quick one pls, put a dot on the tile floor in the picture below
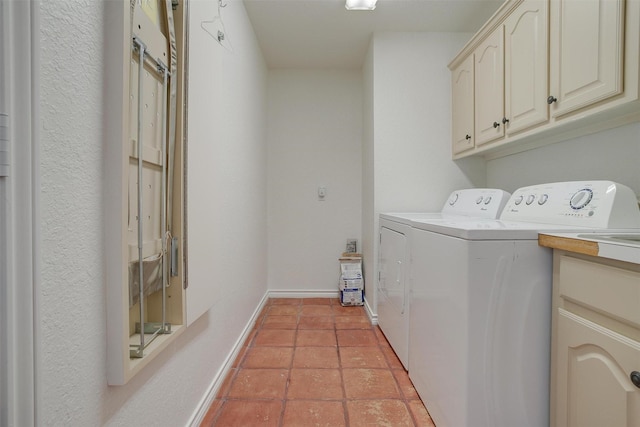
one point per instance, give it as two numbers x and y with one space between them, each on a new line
312 362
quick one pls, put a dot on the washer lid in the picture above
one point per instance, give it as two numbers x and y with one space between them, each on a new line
486 229
468 202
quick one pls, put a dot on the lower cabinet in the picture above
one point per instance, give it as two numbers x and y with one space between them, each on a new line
595 368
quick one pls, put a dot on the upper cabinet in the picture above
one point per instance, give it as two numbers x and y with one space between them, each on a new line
545 71
489 93
586 53
526 65
462 89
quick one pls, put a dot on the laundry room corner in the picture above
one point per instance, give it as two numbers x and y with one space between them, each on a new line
407 165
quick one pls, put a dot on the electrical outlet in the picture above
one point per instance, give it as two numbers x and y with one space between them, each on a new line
322 193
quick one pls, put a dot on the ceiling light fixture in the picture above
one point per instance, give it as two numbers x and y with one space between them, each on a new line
360 4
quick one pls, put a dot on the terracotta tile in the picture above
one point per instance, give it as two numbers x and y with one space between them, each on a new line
316 338
211 414
339 310
316 322
315 384
362 357
250 413
420 414
226 383
394 362
240 356
275 338
370 384
381 338
352 322
356 338
280 322
316 301
406 386
250 336
268 357
302 413
259 383
284 310
316 310
316 357
286 301
367 413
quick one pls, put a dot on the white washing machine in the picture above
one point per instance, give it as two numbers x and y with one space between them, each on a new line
394 257
480 320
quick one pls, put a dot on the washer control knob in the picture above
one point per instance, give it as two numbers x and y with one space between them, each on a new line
543 199
581 199
530 199
518 199
487 200
479 200
453 199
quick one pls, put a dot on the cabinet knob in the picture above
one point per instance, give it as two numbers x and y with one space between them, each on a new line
495 124
551 99
467 137
505 120
635 378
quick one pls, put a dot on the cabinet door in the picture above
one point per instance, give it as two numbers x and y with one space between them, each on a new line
489 88
593 375
587 38
526 53
462 106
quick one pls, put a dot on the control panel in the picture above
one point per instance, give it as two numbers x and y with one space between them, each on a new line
598 204
476 202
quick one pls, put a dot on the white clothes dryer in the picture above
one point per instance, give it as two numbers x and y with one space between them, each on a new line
480 320
394 257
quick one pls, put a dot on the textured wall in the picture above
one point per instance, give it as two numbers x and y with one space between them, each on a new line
315 139
73 302
611 155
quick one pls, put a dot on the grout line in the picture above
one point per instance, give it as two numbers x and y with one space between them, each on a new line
260 326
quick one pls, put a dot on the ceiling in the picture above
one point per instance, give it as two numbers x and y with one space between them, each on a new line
323 34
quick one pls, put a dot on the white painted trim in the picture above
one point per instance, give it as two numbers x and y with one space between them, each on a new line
218 379
20 251
373 317
290 293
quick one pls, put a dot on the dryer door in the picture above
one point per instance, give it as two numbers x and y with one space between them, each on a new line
392 266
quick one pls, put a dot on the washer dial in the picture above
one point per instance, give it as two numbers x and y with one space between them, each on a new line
581 199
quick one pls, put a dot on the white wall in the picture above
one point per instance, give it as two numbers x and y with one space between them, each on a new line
612 155
230 198
412 165
369 220
315 139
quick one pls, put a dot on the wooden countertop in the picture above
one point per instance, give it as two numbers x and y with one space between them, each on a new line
586 247
595 245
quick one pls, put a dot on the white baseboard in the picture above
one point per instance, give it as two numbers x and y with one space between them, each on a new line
218 379
373 317
289 293
216 383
